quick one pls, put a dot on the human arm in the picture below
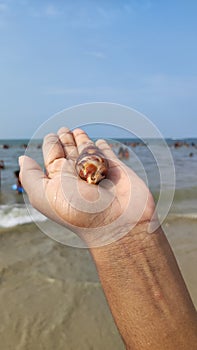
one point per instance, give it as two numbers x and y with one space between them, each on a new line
146 292
139 274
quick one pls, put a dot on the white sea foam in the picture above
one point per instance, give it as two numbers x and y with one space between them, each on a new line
184 216
18 214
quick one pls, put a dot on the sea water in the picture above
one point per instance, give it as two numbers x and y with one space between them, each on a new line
13 210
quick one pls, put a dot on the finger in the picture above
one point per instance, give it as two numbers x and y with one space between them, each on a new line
52 149
68 143
33 180
107 151
35 183
81 139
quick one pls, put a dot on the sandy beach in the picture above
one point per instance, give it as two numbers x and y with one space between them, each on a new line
50 295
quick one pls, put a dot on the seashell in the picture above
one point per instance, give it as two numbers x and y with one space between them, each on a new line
91 165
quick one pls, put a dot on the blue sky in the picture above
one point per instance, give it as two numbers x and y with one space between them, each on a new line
56 54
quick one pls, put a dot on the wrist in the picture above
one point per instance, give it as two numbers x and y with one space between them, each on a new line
131 224
135 242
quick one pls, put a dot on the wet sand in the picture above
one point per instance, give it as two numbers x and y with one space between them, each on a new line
50 296
182 235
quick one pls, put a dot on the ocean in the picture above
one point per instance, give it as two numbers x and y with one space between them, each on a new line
13 210
50 295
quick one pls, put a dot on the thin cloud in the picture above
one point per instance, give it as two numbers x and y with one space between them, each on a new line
65 91
159 86
112 12
96 54
3 7
51 11
133 6
91 16
173 86
3 15
90 91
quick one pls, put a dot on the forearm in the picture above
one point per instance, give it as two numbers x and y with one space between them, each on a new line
146 292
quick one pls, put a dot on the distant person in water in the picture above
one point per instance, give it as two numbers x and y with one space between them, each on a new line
18 186
2 165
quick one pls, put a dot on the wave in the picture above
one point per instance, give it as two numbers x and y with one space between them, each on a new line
183 216
18 214
183 207
181 194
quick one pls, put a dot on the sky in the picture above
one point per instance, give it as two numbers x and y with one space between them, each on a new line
58 54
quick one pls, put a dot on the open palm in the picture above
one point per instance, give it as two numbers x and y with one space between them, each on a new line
63 197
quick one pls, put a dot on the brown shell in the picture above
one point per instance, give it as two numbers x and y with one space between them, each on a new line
91 165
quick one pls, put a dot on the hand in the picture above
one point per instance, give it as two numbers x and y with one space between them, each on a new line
139 274
118 203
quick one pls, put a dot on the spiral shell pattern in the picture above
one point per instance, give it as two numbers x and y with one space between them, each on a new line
91 165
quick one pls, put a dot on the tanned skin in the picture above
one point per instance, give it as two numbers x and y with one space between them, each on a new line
139 274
